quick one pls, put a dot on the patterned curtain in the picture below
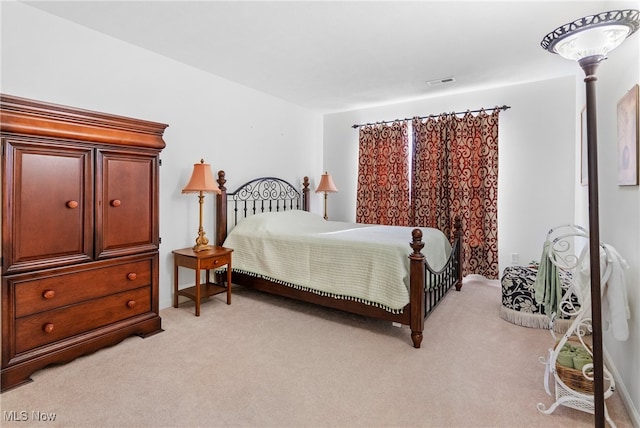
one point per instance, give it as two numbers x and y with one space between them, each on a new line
455 173
383 175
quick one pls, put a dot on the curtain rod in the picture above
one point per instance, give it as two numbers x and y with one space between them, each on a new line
504 107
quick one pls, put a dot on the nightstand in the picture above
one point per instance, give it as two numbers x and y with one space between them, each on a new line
213 258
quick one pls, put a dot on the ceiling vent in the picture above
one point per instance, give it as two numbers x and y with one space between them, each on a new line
442 81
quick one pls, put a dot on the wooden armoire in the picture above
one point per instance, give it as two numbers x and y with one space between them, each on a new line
80 233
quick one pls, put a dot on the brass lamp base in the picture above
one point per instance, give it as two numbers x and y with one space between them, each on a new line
202 242
200 247
325 206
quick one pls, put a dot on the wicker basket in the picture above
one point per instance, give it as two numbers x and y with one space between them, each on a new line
574 378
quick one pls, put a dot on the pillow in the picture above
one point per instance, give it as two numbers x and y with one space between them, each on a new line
282 222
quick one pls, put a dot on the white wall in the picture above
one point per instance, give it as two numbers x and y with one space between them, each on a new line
536 152
242 131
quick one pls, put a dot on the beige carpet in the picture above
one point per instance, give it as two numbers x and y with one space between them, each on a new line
271 362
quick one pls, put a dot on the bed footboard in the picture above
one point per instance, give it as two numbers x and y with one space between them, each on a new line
428 286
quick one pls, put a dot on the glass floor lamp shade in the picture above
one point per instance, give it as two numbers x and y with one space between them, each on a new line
326 185
592 37
588 40
201 182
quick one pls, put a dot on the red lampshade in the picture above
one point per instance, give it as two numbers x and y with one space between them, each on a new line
201 180
326 184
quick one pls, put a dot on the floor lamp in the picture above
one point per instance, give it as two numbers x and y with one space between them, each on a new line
587 41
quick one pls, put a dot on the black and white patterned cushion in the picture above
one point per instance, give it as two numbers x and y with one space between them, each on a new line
518 289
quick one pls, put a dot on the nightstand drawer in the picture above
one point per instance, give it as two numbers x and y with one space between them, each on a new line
214 263
52 290
47 327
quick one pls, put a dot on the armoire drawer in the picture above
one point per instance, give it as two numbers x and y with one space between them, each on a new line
50 291
47 327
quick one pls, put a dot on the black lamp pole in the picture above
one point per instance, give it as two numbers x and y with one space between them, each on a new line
589 66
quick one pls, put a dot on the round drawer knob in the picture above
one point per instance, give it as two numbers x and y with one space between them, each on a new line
116 203
131 304
49 294
72 204
48 327
132 276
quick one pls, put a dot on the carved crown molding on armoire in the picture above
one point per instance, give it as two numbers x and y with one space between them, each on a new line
80 233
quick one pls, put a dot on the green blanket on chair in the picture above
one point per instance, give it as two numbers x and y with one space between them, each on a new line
548 290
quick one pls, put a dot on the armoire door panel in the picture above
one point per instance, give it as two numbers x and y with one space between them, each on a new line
51 220
125 206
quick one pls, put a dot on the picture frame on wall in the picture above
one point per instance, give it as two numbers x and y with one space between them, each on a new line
628 121
584 171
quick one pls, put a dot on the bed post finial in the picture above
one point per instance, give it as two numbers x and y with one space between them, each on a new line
221 209
221 180
305 193
457 226
416 243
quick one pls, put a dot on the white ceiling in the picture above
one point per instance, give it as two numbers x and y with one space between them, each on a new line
341 55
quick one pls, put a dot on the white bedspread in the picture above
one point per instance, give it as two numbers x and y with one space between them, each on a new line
367 263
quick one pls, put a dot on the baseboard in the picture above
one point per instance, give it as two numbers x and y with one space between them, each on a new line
481 278
622 390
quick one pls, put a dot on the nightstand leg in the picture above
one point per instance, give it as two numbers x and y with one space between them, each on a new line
229 283
198 291
175 284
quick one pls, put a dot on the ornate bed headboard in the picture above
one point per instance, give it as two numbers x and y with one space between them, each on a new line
264 194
